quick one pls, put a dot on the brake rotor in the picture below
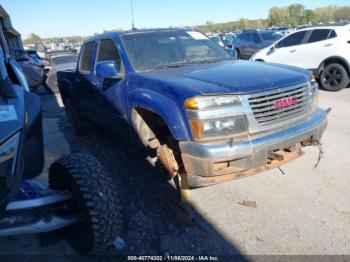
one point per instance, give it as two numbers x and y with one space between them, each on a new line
167 158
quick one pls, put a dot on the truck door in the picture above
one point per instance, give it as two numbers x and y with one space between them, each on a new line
85 88
110 97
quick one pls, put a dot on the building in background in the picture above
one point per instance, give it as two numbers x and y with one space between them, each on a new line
12 36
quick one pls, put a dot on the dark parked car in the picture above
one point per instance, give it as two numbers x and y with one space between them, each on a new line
33 68
251 41
58 63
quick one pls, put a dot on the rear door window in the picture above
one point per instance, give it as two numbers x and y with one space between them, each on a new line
255 38
319 35
86 61
292 40
246 37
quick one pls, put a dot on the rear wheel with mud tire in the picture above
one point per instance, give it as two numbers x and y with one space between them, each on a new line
96 200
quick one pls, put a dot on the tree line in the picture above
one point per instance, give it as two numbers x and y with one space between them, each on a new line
288 16
34 39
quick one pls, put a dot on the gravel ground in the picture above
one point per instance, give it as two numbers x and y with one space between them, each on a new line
302 212
155 221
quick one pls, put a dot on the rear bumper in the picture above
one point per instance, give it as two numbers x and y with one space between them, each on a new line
228 157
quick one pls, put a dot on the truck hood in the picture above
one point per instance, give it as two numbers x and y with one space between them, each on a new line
238 77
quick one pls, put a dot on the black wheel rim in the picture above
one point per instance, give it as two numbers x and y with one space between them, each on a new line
332 77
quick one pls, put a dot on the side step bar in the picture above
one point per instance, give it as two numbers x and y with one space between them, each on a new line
38 202
42 224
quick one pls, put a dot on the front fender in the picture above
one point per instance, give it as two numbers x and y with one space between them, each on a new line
171 112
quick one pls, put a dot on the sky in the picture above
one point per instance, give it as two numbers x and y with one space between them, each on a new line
49 18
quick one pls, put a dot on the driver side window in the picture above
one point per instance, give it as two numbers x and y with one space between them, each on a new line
108 51
86 61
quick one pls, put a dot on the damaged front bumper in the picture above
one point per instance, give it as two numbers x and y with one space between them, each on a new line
215 162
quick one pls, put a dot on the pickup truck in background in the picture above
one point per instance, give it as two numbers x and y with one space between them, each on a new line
205 116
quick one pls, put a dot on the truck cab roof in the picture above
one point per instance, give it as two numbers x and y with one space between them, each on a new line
135 31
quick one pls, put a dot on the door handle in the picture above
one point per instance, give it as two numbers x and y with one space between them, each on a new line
95 84
293 51
78 80
328 45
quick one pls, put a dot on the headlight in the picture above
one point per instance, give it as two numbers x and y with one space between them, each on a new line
216 116
8 156
211 102
216 128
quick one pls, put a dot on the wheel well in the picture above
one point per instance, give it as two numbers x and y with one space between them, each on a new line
150 126
155 135
333 60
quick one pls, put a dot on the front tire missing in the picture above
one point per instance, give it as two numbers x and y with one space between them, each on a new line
96 199
167 158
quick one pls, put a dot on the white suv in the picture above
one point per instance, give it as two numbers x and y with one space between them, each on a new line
324 49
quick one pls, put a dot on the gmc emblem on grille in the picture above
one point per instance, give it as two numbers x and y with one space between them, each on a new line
285 102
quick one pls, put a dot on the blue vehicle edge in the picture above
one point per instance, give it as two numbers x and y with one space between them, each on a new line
150 102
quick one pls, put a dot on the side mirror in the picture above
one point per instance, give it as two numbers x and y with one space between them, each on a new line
108 69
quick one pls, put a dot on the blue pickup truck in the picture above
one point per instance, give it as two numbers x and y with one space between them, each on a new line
205 116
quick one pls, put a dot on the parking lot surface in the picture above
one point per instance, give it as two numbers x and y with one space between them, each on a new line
303 211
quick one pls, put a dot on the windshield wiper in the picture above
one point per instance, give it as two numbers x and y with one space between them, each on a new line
212 61
176 65
170 66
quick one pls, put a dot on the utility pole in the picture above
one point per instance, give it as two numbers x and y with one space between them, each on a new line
132 15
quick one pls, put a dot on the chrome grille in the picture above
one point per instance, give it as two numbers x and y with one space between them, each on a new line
265 111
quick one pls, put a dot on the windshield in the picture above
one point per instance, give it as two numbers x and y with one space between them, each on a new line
216 39
227 39
152 50
271 36
64 60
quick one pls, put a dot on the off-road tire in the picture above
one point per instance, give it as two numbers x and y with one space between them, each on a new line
51 84
96 198
79 125
334 77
